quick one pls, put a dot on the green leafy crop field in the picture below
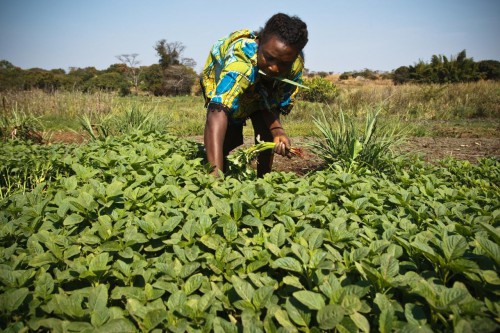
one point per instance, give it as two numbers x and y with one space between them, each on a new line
131 234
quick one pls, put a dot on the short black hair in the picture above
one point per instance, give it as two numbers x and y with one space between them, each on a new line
289 29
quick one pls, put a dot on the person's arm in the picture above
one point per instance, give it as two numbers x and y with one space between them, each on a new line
215 131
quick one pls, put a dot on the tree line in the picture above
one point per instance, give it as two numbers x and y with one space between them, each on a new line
172 75
175 75
442 70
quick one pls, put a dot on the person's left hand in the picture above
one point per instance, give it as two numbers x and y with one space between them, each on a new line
282 145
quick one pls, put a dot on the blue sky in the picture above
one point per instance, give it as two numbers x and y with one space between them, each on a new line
345 35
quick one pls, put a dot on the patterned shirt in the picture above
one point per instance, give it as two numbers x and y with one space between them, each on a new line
230 78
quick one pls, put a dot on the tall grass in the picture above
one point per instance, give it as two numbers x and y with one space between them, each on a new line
415 105
66 110
429 101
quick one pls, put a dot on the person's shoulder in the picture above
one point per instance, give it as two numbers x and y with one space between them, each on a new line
243 44
242 38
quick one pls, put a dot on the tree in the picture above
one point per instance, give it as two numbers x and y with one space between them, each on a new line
401 75
169 53
108 82
177 73
152 79
178 80
11 77
489 69
440 70
133 72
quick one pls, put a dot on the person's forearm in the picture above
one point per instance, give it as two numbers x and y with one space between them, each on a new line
215 130
273 123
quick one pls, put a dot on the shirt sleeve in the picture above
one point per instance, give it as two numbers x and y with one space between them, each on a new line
236 76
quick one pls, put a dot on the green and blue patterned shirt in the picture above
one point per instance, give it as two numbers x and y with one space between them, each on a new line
231 79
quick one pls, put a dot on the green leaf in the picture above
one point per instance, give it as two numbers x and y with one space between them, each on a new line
193 283
425 250
299 316
268 209
222 326
205 301
114 189
315 239
237 210
463 326
230 230
221 206
213 242
312 300
128 292
117 325
243 288
277 236
386 318
492 249
55 325
177 300
153 318
490 276
451 296
12 299
98 299
351 303
354 149
361 322
454 247
283 318
44 285
288 263
251 221
293 280
286 80
135 308
389 266
99 262
68 305
492 231
152 293
262 296
329 316
73 219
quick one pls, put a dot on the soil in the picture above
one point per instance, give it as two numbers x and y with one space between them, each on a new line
431 149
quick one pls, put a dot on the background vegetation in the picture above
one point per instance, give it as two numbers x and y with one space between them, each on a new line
173 75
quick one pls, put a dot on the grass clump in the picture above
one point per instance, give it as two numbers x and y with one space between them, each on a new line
343 145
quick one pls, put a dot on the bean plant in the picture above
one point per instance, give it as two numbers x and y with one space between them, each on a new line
133 234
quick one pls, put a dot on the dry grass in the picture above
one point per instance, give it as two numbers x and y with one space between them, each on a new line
423 107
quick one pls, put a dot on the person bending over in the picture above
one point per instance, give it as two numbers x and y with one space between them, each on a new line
242 79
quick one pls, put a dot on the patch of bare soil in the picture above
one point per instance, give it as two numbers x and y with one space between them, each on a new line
66 137
429 148
470 149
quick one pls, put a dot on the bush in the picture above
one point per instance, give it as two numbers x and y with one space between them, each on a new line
344 76
320 90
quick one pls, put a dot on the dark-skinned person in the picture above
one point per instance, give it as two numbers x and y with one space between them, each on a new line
243 80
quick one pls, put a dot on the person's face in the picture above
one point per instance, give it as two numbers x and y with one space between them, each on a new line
274 57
